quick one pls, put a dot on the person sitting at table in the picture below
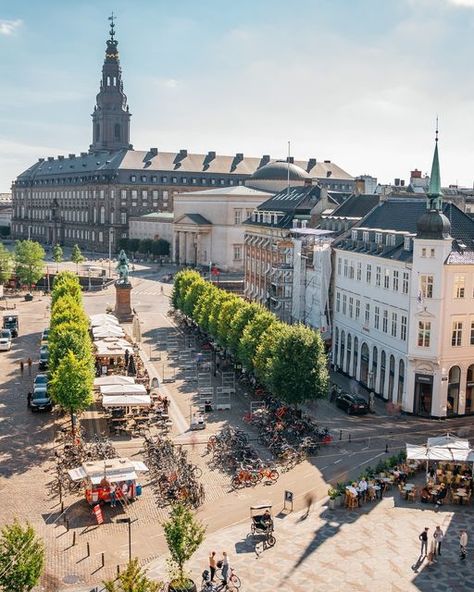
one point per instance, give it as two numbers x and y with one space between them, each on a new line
383 486
363 486
425 495
441 495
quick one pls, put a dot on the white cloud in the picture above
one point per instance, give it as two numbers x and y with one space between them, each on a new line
463 3
9 27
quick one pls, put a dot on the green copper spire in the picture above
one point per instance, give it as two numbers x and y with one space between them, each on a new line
435 197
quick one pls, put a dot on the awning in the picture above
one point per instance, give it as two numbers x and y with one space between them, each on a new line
98 320
126 401
107 331
114 379
123 389
114 477
114 470
438 453
449 441
112 347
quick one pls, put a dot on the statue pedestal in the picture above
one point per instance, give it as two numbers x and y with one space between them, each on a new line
123 309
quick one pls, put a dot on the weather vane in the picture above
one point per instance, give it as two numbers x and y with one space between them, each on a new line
112 18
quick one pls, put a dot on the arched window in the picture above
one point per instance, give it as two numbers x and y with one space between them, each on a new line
375 361
401 381
364 364
108 80
383 362
112 217
102 215
356 357
391 378
349 353
95 215
117 133
469 388
454 380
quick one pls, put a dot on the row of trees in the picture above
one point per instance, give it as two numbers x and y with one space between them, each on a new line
27 262
146 246
71 361
289 360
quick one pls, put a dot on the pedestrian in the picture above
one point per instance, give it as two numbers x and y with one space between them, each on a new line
29 362
127 354
22 367
463 544
424 541
212 564
28 398
161 290
309 499
225 568
113 497
438 536
371 401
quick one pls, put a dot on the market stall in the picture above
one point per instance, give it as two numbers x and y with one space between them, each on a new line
113 380
123 389
99 320
111 480
107 331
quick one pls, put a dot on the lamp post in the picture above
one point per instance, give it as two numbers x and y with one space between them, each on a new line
111 238
128 521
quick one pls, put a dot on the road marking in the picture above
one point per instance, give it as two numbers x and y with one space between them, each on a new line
337 461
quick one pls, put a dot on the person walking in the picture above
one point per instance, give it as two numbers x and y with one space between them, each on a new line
463 544
423 537
212 564
438 536
22 367
225 568
29 362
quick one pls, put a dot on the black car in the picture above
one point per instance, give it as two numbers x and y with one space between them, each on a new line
352 403
40 401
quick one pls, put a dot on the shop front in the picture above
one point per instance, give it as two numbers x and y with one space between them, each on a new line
423 394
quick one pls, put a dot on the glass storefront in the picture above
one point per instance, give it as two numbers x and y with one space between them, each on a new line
423 394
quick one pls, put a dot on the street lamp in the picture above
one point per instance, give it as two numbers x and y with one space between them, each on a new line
128 521
111 238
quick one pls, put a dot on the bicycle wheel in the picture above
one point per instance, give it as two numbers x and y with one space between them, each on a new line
274 475
197 472
237 483
235 580
271 540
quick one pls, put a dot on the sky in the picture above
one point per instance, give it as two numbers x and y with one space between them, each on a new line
358 82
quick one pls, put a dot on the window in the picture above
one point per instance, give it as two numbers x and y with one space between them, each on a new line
344 304
357 309
378 275
405 282
134 194
423 252
339 265
472 332
365 236
351 306
123 217
174 179
378 238
377 317
459 288
395 281
403 329
354 235
164 179
237 217
237 252
133 179
144 195
123 196
346 267
386 279
368 274
101 237
351 270
432 253
424 333
359 271
426 286
367 314
165 195
385 321
338 302
394 324
456 334
184 180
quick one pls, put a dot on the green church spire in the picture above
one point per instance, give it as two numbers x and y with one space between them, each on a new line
435 198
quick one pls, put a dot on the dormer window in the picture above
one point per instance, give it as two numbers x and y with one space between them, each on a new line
133 178
391 240
407 243
365 236
378 238
354 235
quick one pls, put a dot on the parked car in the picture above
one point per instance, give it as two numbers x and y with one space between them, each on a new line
5 339
44 336
12 323
43 357
41 380
40 401
352 404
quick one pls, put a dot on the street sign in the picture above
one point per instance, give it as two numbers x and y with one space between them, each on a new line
288 500
99 516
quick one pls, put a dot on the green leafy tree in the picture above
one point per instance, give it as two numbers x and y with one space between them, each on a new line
133 579
71 384
266 349
6 265
204 306
145 246
57 255
297 365
251 336
213 325
67 310
182 282
66 284
29 257
77 256
184 534
133 245
230 307
192 296
123 244
69 337
160 248
242 318
21 558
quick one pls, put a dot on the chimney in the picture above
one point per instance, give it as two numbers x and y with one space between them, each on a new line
290 159
239 156
183 153
397 182
40 159
211 155
402 183
72 156
265 160
83 154
50 158
311 164
153 151
60 157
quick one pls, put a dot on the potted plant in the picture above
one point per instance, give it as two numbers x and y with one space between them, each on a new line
333 495
183 534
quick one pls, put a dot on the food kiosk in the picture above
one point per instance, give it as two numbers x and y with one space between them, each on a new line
110 480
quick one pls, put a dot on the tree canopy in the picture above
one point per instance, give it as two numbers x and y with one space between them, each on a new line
71 383
29 258
21 558
132 579
57 254
6 264
76 255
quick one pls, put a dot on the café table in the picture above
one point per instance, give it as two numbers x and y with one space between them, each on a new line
461 495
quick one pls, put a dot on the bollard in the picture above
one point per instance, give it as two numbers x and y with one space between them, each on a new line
340 434
67 525
62 507
118 570
386 448
350 438
88 550
103 559
74 539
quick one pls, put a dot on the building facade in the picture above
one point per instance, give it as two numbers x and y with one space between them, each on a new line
154 226
87 198
403 303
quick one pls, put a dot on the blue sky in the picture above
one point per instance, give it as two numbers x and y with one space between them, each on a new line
359 82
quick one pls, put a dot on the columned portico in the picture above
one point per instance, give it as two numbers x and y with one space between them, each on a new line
191 236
